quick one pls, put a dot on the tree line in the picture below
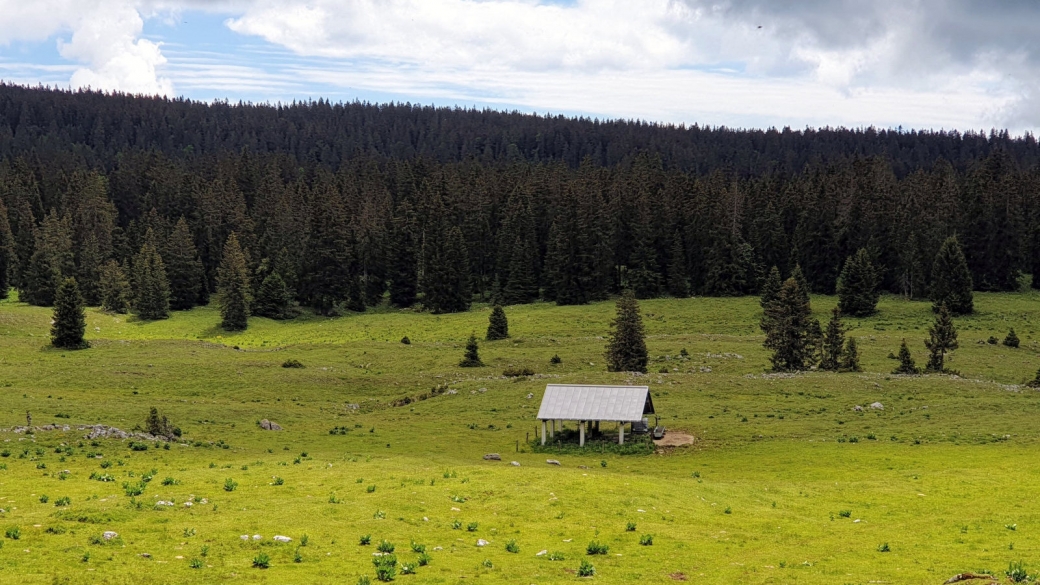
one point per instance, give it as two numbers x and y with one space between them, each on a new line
145 224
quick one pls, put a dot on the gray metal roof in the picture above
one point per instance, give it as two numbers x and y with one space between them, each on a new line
606 403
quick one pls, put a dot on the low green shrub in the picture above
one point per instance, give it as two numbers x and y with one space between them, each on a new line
595 548
262 561
585 569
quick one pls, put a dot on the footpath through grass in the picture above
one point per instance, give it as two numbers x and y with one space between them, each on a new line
786 483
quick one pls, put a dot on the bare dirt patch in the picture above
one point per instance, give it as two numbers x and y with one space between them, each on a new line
675 439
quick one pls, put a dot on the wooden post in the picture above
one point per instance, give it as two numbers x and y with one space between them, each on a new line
543 432
581 434
552 431
621 433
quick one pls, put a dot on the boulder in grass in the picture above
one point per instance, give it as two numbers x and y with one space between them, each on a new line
281 538
552 462
269 425
109 535
877 406
481 542
515 463
492 457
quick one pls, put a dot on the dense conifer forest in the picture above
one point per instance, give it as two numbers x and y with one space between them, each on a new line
339 207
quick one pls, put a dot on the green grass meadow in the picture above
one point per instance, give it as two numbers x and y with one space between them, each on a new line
786 483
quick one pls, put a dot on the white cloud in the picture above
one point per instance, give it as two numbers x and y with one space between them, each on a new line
105 39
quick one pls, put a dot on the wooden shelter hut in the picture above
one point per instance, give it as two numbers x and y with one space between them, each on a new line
587 404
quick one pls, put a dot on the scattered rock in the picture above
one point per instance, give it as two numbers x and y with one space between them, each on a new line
541 553
877 406
109 535
857 408
257 537
515 463
146 556
438 548
552 462
163 503
281 538
481 542
270 426
530 395
244 537
492 457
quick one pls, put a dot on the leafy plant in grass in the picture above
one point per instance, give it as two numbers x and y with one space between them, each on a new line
14 533
556 556
630 527
585 569
386 567
456 524
230 485
63 502
424 559
262 561
646 540
44 499
471 527
292 363
1017 573
512 547
407 569
418 548
595 548
297 557
370 489
385 547
169 481
515 372
884 548
488 564
277 481
555 360
195 563
845 513
364 580
365 540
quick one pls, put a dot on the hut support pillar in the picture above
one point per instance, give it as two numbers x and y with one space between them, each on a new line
581 434
543 432
621 434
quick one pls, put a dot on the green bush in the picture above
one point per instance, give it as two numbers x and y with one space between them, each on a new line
514 372
195 563
418 548
292 363
630 527
44 499
586 569
63 501
471 527
646 540
230 485
14 533
386 567
512 547
556 556
596 548
884 548
262 561
385 547
365 540
424 559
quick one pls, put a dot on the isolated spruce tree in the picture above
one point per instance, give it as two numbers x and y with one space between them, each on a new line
1035 382
678 283
626 348
942 340
858 286
850 357
951 280
1011 340
183 267
788 326
498 325
151 288
69 321
771 287
906 362
233 289
472 357
115 288
833 343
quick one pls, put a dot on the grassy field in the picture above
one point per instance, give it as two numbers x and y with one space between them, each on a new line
786 483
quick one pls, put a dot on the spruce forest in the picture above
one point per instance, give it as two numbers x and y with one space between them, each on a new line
339 207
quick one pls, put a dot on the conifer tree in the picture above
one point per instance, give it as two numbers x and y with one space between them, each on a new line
858 286
52 261
498 325
803 284
151 287
626 348
644 277
833 343
233 289
678 282
951 280
1011 340
522 286
446 285
183 267
115 288
788 326
907 366
274 299
850 357
1035 382
942 340
403 269
69 321
89 273
8 260
472 357
771 287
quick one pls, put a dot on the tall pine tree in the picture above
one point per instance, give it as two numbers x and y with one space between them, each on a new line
951 280
69 321
403 263
942 339
788 326
498 325
115 288
858 286
626 348
151 287
183 267
833 342
233 289
771 287
8 260
678 281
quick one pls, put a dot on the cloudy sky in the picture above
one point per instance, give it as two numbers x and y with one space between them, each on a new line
963 64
